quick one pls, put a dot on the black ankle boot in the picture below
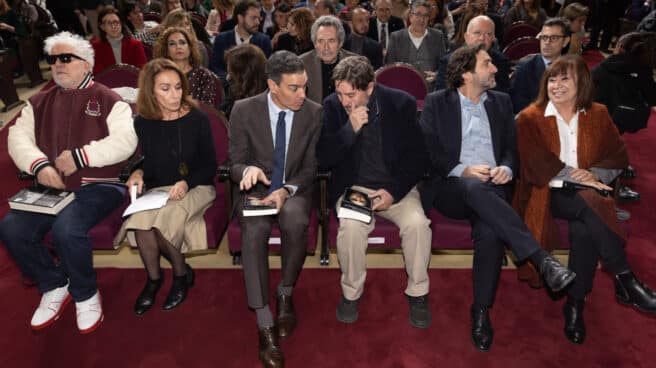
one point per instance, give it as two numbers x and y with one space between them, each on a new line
631 291
179 288
146 298
574 323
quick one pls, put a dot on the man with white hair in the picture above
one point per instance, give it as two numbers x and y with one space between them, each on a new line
66 135
480 30
328 36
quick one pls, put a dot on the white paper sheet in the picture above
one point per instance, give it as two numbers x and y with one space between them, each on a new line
149 201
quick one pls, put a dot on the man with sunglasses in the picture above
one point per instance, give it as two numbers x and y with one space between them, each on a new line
67 136
554 37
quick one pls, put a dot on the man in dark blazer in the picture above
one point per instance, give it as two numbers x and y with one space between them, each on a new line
528 72
470 136
384 22
359 43
328 37
247 14
272 143
371 141
480 29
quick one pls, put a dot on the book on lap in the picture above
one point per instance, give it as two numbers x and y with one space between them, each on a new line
41 199
573 186
253 206
356 205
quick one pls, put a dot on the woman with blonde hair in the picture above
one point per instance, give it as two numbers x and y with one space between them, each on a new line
175 139
177 44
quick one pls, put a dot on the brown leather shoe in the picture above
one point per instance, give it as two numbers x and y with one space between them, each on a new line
285 315
270 352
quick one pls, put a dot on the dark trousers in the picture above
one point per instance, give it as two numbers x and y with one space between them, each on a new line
293 220
605 18
590 239
494 223
23 233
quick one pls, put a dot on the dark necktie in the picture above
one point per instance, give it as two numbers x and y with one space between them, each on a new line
279 154
383 36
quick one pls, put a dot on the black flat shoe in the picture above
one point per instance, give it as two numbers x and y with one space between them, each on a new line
482 333
574 323
179 288
146 298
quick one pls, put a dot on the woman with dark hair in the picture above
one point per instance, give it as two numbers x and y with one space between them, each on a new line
144 31
441 18
297 39
566 140
528 11
115 45
280 21
175 139
246 77
577 15
169 6
178 45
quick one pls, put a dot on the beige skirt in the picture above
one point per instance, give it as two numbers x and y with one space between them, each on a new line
180 222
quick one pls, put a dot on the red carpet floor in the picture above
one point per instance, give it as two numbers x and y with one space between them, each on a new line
215 329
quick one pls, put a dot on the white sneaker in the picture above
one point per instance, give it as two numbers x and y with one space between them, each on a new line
89 314
51 307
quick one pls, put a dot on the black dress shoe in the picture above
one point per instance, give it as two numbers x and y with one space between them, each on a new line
628 173
482 333
555 275
270 352
420 314
285 315
179 288
627 194
574 324
631 291
146 298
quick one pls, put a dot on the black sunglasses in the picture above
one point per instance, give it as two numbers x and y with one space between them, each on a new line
64 58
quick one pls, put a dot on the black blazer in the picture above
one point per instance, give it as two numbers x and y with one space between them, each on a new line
526 82
371 49
394 24
441 125
403 152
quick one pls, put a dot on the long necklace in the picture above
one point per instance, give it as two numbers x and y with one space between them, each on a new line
183 168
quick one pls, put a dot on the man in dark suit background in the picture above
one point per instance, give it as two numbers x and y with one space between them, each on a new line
554 37
480 30
359 43
371 141
247 14
272 144
384 23
470 136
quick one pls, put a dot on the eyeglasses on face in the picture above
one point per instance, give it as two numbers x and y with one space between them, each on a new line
550 38
174 43
64 58
112 23
420 15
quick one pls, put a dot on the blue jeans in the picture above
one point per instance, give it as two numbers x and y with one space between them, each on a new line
23 232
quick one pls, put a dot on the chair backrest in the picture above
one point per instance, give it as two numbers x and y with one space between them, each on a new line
153 17
201 19
219 125
404 77
119 75
521 47
518 30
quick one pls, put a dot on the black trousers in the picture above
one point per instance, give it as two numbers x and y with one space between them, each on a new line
293 220
590 239
494 223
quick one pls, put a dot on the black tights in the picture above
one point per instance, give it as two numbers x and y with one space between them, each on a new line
151 244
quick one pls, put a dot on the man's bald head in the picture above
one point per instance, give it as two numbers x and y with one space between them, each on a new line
480 29
360 21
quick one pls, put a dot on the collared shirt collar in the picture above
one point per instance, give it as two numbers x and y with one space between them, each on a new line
465 102
550 110
545 61
239 40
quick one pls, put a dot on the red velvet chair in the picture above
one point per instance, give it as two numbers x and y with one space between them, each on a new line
119 75
521 47
148 50
518 30
153 17
406 78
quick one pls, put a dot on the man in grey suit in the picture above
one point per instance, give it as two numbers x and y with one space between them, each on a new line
272 143
418 45
328 36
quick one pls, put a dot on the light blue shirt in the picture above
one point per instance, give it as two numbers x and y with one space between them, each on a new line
476 147
274 111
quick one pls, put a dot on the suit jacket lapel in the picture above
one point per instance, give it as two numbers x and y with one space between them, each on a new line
264 124
455 131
